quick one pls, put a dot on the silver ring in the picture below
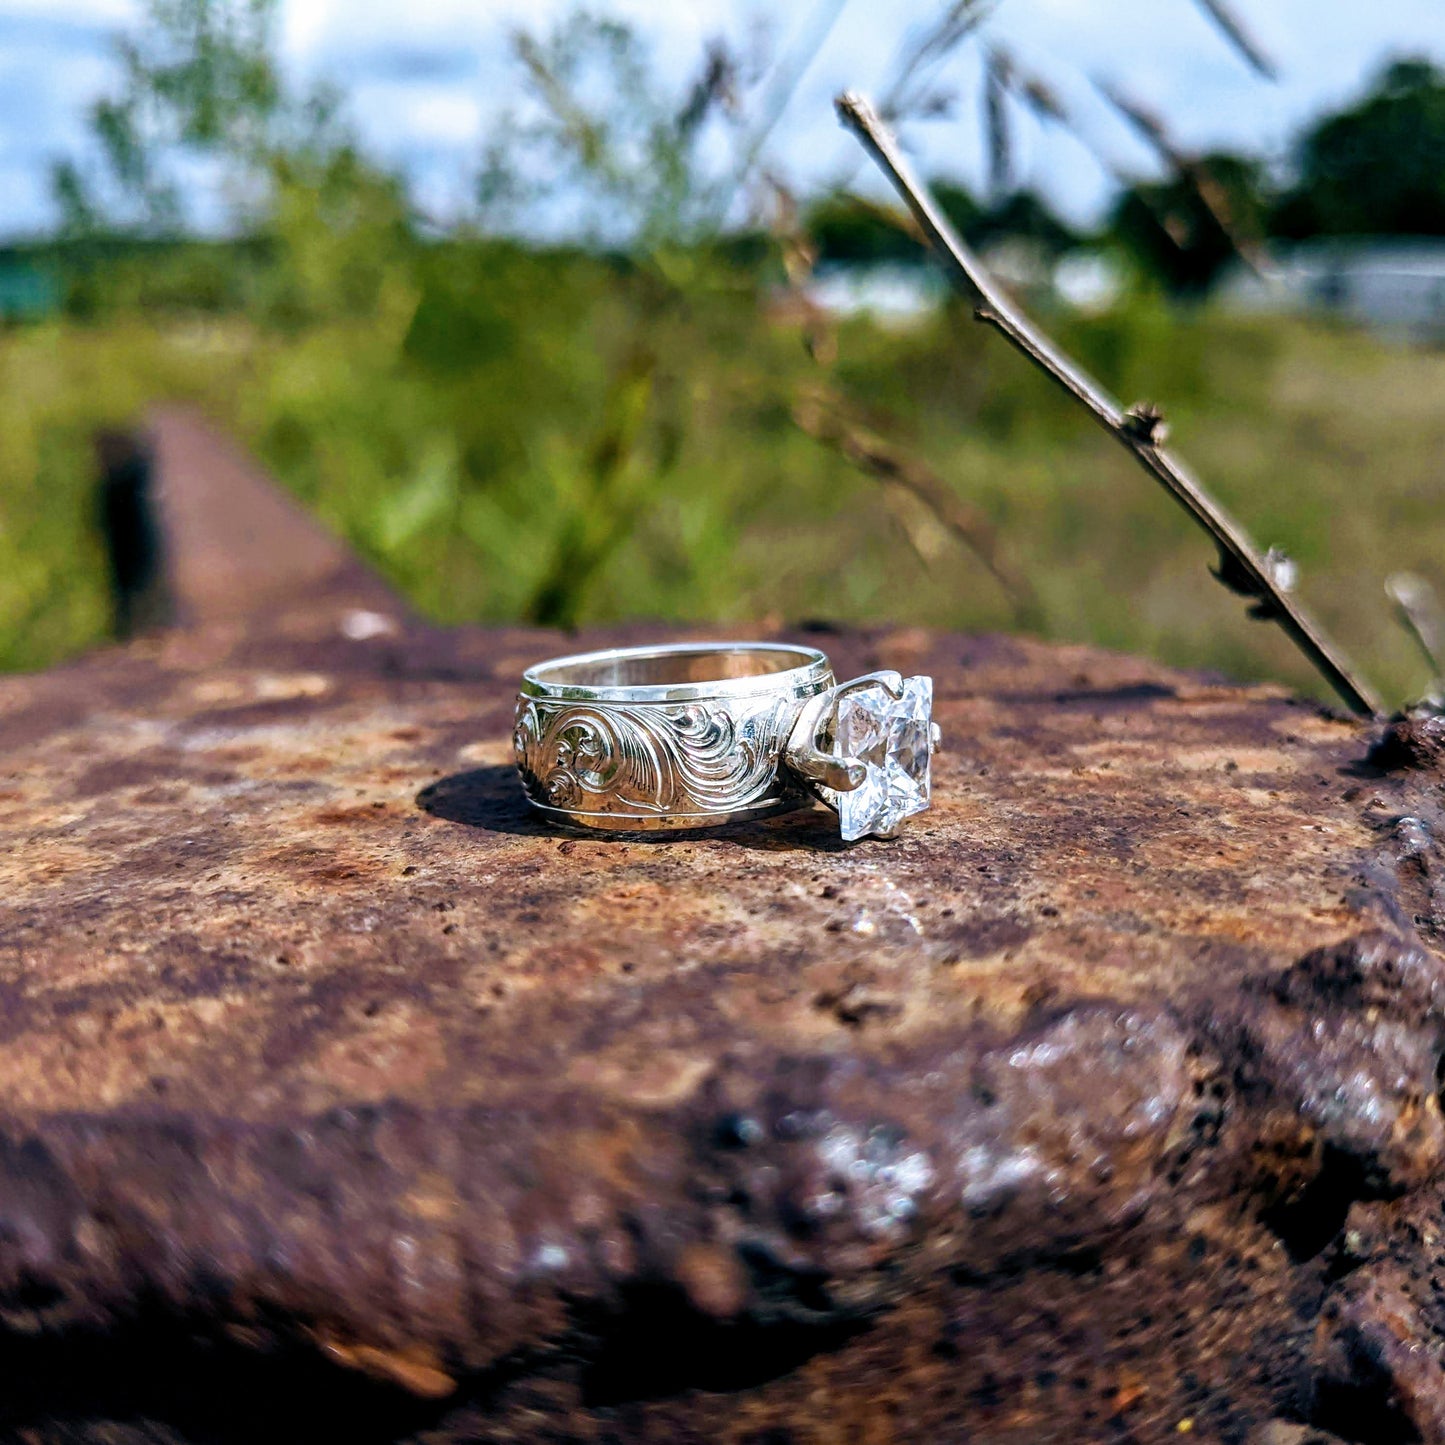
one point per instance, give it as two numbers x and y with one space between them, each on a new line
695 735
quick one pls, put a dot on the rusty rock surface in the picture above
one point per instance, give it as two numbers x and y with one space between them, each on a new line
1042 1122
339 1099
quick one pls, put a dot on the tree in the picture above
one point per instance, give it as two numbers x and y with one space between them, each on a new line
199 81
1184 231
201 88
610 146
1019 216
849 229
1376 169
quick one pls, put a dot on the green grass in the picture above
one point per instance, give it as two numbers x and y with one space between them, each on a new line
505 434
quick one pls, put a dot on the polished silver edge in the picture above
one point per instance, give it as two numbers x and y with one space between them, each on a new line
813 674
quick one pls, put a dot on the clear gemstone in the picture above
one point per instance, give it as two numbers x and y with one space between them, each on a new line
891 737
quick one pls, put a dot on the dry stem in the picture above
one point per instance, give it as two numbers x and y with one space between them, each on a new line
823 415
1195 174
1420 612
1139 429
1238 34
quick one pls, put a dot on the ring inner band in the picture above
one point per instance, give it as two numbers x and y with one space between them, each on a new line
675 672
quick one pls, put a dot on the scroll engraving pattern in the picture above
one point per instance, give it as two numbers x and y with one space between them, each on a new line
682 758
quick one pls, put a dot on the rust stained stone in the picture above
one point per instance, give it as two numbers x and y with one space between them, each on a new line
341 1099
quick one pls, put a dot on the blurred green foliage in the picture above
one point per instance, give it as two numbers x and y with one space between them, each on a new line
1185 231
1374 168
849 231
588 433
490 437
199 80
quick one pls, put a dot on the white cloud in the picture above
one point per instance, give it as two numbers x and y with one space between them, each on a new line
430 75
95 12
397 114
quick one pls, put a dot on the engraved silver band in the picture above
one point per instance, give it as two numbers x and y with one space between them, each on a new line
681 736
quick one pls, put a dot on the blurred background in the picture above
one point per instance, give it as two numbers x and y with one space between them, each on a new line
573 316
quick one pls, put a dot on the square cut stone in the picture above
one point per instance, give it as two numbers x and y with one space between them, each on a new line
891 737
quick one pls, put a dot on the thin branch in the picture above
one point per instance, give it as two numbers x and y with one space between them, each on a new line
1237 33
715 86
581 129
1037 94
783 83
1140 429
1194 173
997 79
1147 124
1045 101
1420 612
800 255
959 20
823 415
1049 106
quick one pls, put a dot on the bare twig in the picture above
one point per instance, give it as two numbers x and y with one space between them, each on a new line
996 82
824 416
800 255
1238 35
959 20
1045 101
1419 610
787 75
715 86
1039 96
1139 429
1048 105
1194 173
1147 124
581 129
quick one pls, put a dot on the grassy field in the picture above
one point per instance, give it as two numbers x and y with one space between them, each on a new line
576 442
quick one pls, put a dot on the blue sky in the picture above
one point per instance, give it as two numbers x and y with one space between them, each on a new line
427 78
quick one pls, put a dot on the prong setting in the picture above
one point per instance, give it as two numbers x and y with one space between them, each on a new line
890 681
868 759
808 760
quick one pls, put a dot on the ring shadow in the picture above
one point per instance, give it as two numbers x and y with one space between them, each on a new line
492 798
